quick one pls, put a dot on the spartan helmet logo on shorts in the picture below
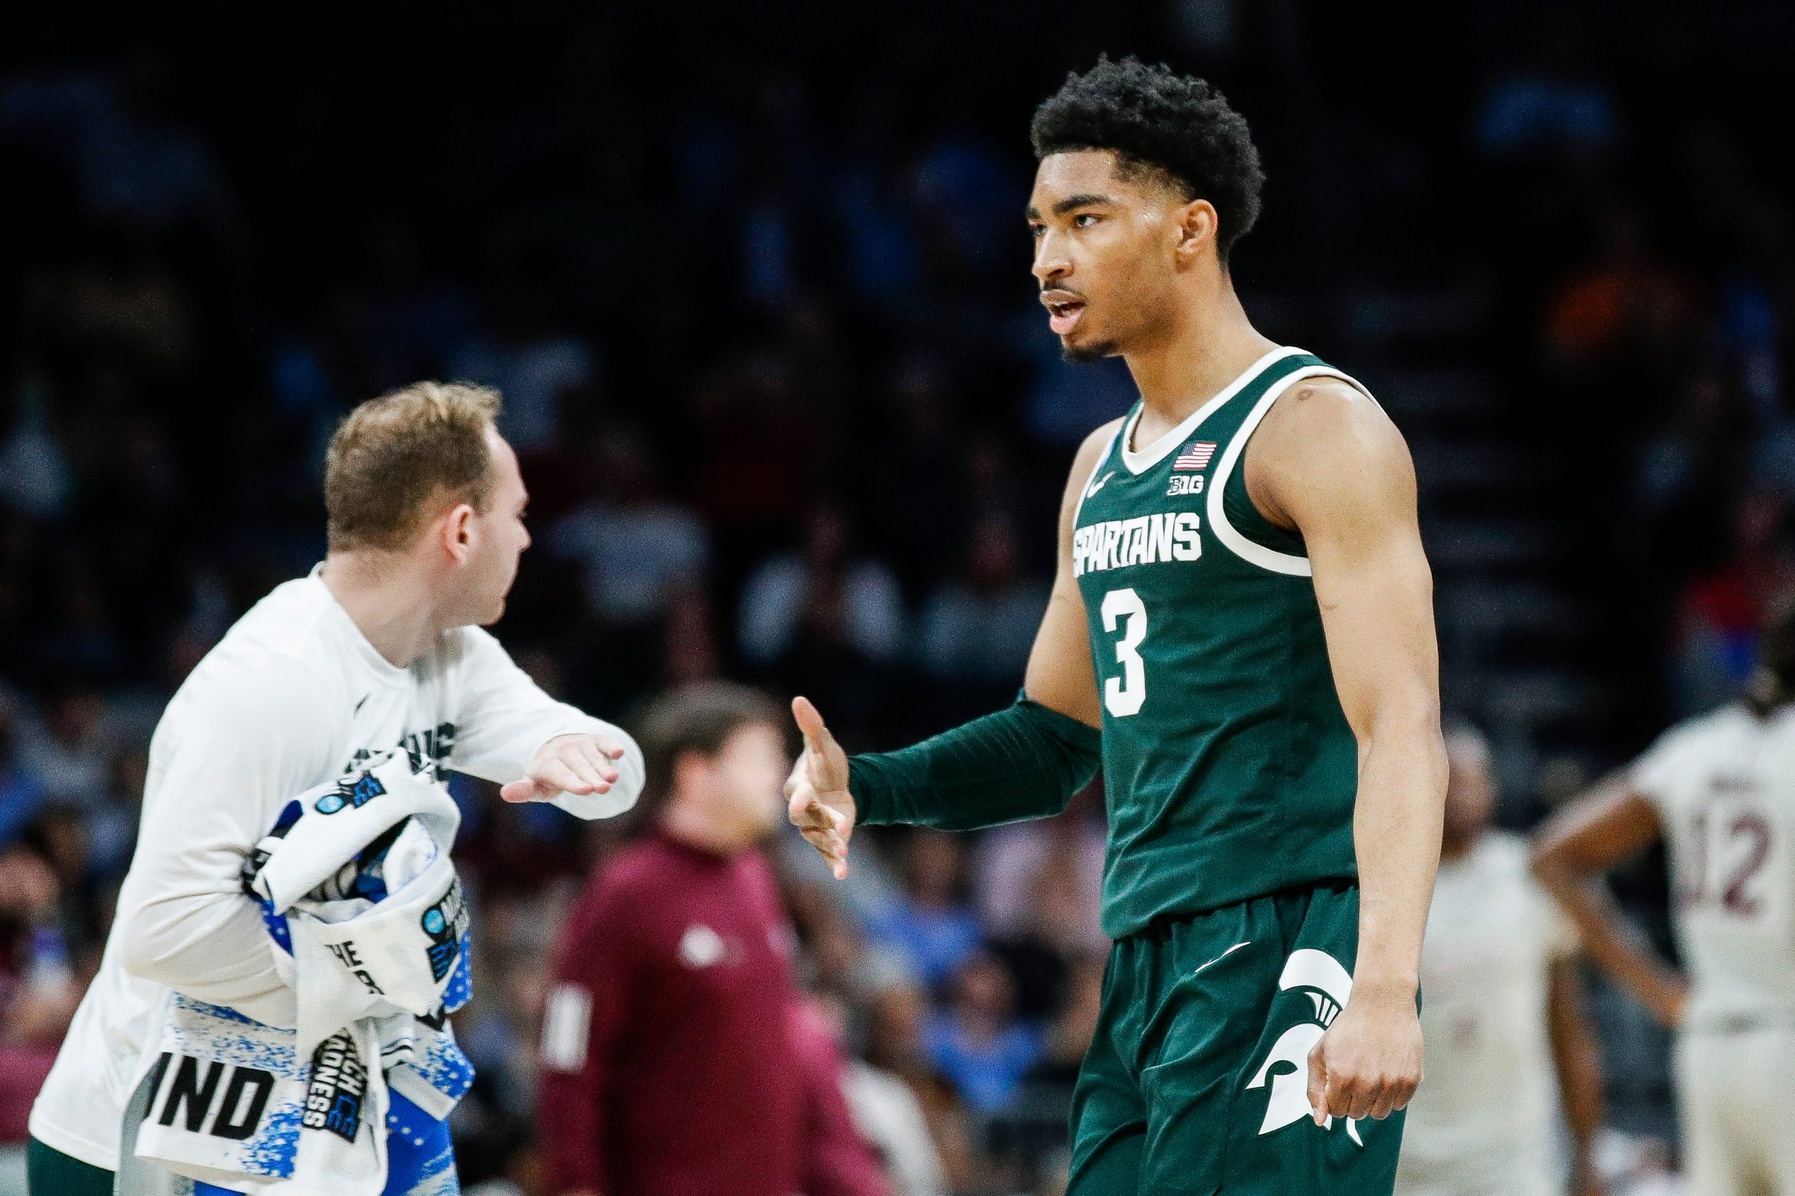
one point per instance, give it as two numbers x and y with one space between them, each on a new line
1328 985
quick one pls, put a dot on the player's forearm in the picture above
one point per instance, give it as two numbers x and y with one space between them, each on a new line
1611 941
208 946
1576 1055
1396 837
1025 761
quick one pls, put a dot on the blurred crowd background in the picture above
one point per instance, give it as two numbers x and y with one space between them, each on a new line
753 279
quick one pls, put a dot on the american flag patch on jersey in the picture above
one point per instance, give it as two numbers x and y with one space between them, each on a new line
1195 455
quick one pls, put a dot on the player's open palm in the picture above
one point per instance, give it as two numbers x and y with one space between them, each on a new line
579 764
820 805
1368 1064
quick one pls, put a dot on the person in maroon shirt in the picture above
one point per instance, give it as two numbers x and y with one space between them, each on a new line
674 1056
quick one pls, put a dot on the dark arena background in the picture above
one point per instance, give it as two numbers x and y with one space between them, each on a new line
753 280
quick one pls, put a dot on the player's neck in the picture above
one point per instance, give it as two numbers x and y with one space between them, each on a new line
1209 343
391 608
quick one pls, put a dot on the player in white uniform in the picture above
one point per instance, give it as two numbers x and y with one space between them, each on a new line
1508 1043
1719 790
379 648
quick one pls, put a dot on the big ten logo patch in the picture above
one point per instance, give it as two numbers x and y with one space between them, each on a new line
351 959
209 1096
445 923
338 1084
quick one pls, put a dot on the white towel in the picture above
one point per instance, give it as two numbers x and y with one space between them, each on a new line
234 1104
379 947
337 820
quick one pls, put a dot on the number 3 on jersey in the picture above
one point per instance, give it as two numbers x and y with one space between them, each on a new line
1123 695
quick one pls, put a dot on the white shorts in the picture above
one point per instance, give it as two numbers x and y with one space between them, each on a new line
1738 1137
1522 1172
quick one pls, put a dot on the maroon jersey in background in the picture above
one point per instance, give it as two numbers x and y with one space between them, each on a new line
670 1063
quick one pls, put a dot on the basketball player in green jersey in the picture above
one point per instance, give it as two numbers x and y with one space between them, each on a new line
1243 609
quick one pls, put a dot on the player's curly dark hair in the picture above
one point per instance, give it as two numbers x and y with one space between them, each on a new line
1157 120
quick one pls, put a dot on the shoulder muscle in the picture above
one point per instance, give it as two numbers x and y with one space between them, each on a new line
1328 456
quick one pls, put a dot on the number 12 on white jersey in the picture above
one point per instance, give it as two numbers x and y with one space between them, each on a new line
1123 695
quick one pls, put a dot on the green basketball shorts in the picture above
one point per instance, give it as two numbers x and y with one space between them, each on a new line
52 1173
1197 1079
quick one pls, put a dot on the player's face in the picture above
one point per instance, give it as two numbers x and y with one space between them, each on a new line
1105 253
496 539
748 782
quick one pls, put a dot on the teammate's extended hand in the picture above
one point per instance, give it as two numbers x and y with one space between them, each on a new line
1368 1064
579 764
820 805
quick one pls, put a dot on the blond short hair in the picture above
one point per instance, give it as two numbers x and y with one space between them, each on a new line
392 455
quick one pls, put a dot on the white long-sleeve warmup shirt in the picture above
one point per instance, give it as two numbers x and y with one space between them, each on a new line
293 696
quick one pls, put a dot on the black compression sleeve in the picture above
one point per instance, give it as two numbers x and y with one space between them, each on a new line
1025 761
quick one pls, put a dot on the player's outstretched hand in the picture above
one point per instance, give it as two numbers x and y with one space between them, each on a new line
579 764
820 805
1368 1064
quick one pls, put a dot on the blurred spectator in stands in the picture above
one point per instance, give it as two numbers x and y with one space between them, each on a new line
70 751
1721 616
889 1116
411 322
754 449
38 988
119 301
35 475
966 197
910 488
531 361
501 1026
133 161
840 1157
931 925
111 826
21 793
1073 1026
1683 475
1550 103
825 620
639 553
1067 399
1624 301
1043 879
976 629
977 1042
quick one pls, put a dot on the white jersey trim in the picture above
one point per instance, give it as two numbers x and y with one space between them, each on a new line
1231 538
1153 454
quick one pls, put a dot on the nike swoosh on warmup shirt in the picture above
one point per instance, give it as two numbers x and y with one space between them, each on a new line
1098 484
1224 955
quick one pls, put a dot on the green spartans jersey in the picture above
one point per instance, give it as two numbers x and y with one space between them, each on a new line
1229 766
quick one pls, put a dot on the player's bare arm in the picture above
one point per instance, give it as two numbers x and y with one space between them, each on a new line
1577 1058
1594 834
1328 462
1060 676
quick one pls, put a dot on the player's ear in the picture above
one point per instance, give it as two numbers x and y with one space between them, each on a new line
1197 225
456 530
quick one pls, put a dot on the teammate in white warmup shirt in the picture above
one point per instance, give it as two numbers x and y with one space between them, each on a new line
1719 790
379 648
1508 1043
